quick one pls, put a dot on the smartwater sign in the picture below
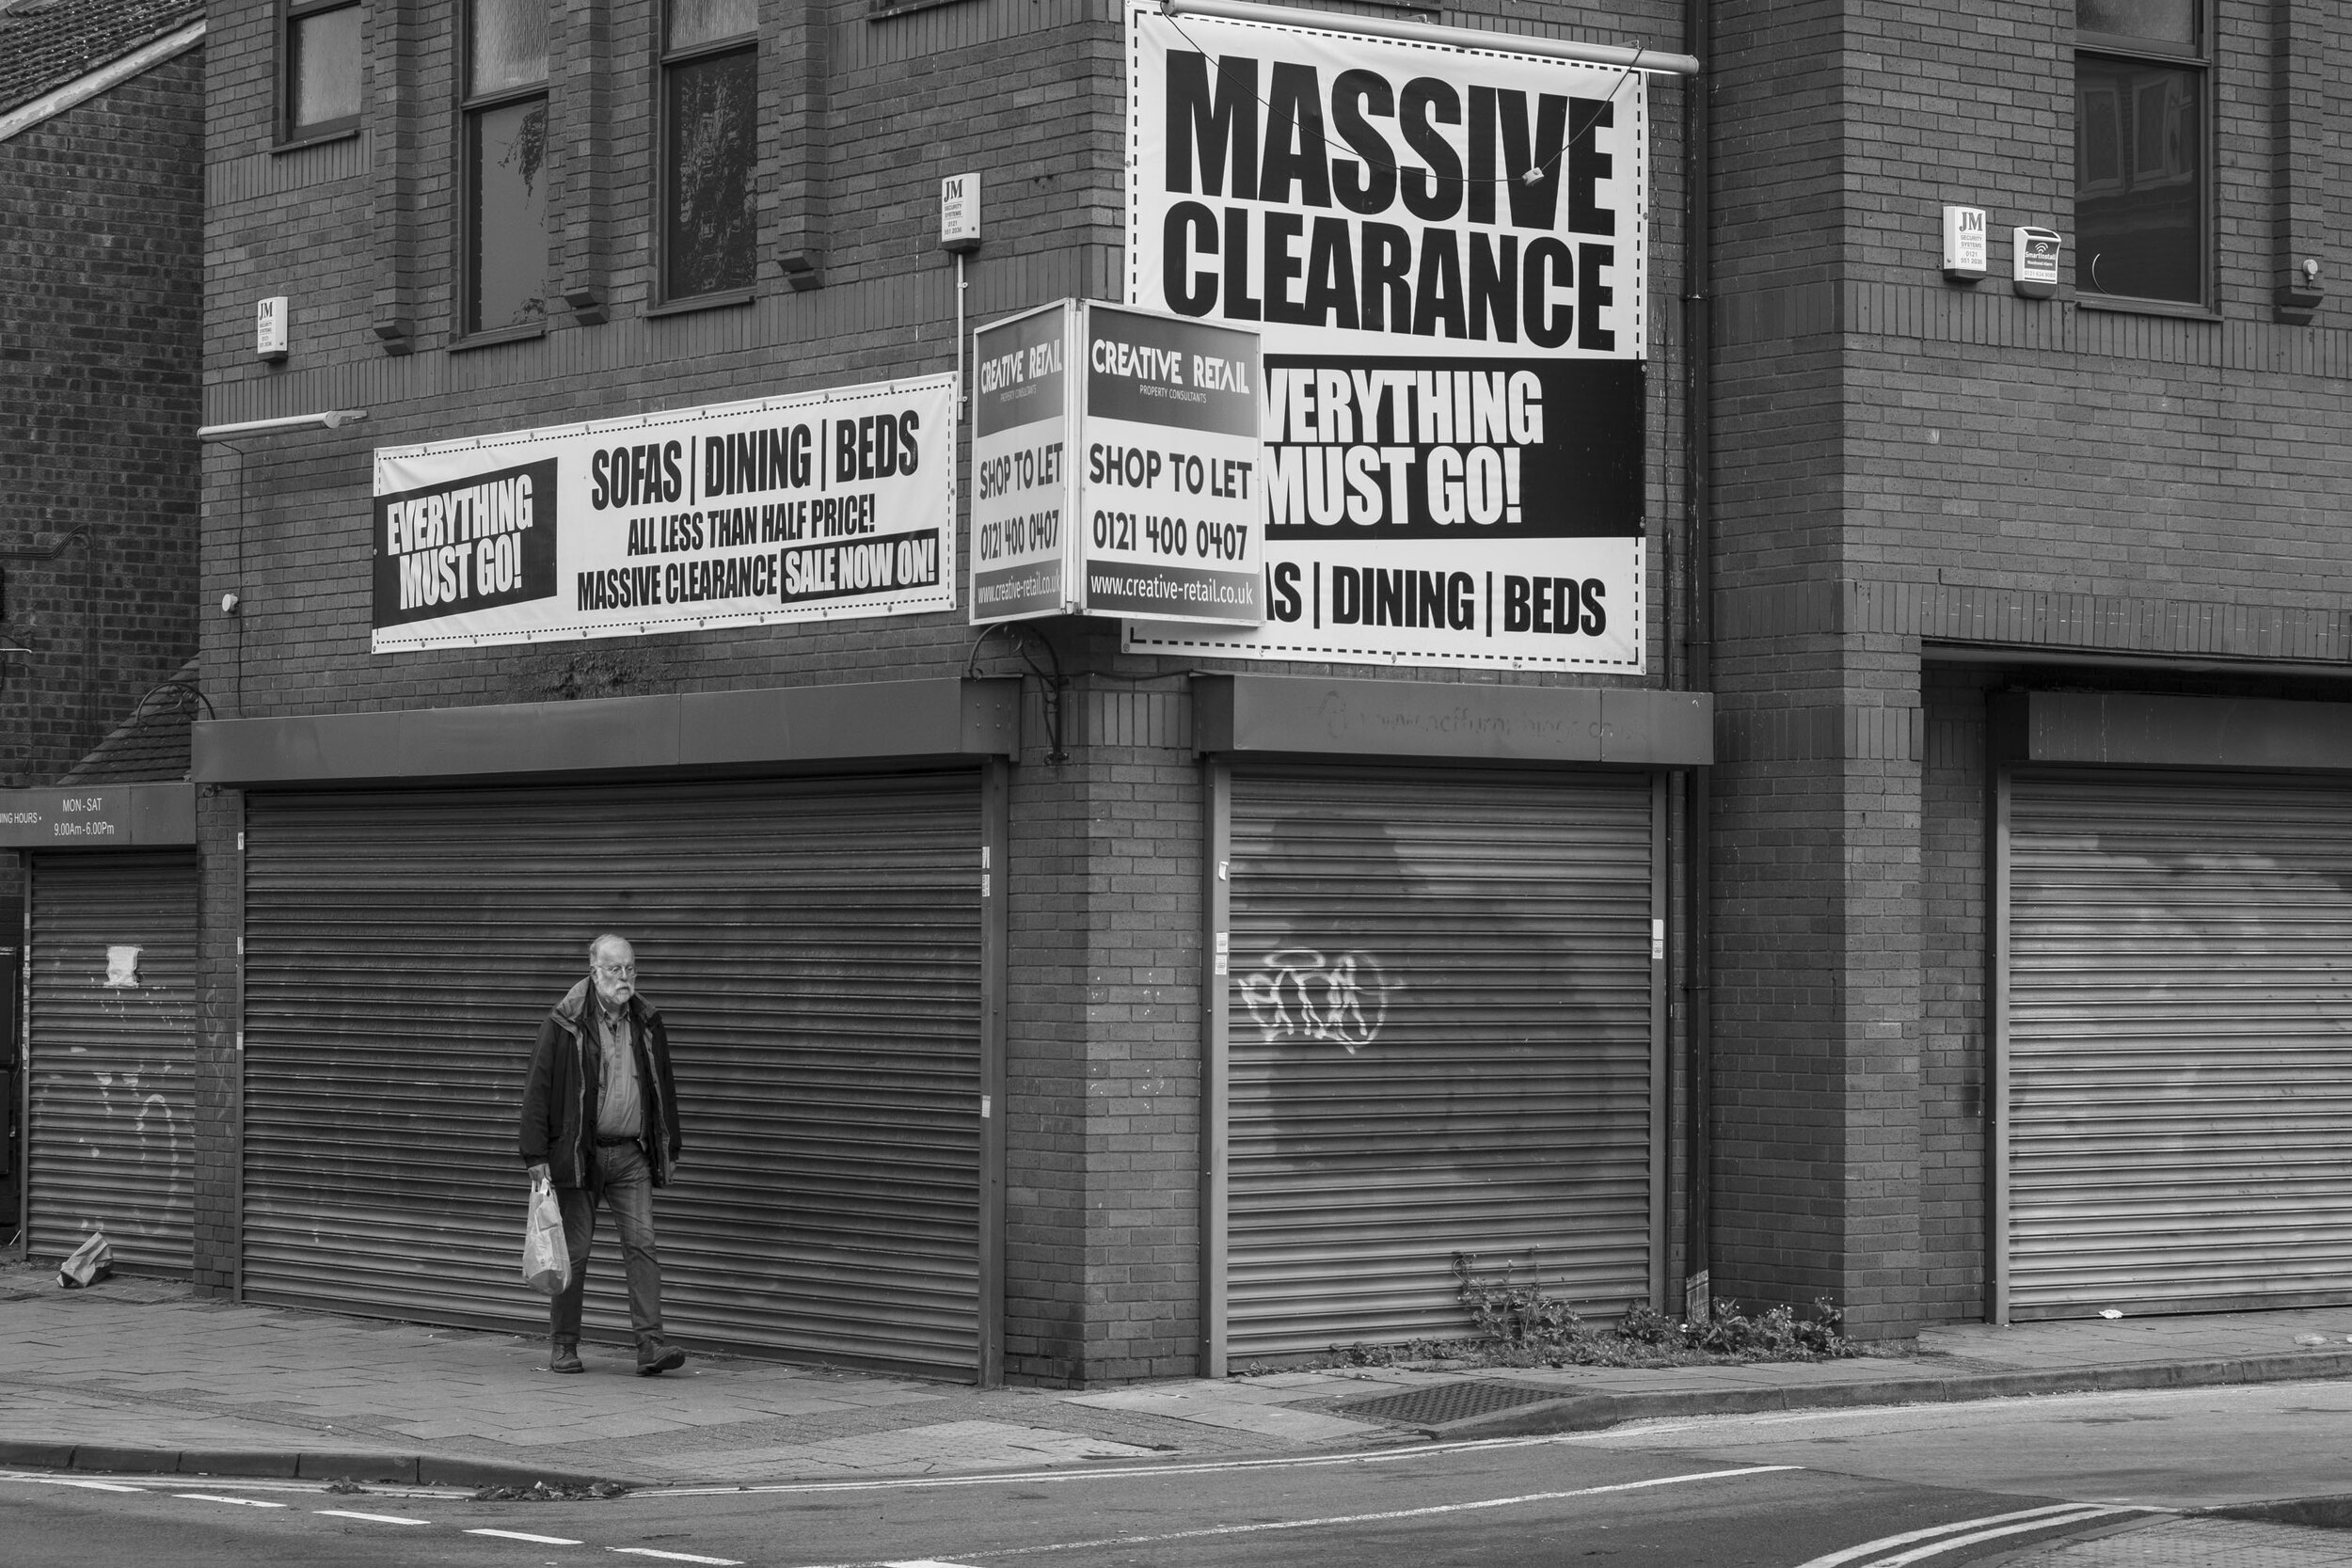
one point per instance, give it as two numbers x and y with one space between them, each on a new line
1115 467
838 503
1442 248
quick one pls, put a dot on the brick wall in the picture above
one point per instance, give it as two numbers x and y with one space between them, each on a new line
1904 463
100 257
864 117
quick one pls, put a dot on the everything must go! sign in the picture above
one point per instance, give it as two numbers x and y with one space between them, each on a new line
834 505
1443 252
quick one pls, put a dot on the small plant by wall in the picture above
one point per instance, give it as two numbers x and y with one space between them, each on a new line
1516 1324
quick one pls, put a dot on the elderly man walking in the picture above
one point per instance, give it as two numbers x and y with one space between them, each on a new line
600 1121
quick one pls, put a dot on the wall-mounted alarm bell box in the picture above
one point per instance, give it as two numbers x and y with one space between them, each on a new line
269 327
2035 271
960 212
1964 243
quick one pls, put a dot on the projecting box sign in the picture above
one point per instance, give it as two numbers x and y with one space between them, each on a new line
1115 467
1443 252
839 503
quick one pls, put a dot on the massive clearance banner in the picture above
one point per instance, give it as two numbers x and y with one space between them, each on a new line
1443 252
837 503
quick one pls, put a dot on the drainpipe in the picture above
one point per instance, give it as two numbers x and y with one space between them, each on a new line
1698 664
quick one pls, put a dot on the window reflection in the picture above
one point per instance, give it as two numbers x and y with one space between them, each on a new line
511 242
2138 180
322 70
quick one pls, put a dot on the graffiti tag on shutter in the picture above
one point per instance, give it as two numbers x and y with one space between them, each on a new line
1298 993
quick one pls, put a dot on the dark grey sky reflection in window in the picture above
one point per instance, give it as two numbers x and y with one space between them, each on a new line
712 136
509 226
324 69
693 22
2157 21
510 44
2138 180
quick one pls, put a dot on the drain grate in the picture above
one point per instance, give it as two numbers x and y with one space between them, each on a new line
1441 1402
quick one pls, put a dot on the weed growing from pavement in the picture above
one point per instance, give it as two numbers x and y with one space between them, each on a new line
541 1492
1523 1325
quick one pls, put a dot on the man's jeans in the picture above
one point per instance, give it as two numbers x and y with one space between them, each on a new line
628 1193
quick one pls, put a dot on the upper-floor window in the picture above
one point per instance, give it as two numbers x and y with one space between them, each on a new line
507 246
319 92
709 146
2140 200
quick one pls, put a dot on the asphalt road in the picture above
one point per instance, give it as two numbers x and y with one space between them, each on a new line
1935 1486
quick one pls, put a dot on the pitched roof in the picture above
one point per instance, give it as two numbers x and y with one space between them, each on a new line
46 44
152 743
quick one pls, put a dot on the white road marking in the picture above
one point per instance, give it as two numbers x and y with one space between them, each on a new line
926 1562
1433 1511
241 1502
1966 1533
226 1483
519 1535
1888 1543
1033 1478
372 1518
677 1557
1918 1553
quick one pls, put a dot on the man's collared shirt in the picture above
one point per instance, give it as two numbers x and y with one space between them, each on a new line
619 1114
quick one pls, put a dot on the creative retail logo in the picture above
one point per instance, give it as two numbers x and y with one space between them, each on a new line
484 541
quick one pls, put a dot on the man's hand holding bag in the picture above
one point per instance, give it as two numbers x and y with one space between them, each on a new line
546 1260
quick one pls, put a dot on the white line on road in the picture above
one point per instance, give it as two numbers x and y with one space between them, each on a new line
1920 1553
2008 1524
208 1498
519 1535
1033 1478
677 1557
372 1518
85 1485
1382 1517
926 1562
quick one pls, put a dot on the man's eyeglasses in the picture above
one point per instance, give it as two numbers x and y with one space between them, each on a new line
627 971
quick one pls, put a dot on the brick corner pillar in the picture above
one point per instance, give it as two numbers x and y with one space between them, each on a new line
1103 1234
1819 980
219 1059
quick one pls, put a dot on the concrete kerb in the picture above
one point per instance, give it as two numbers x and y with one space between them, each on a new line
391 1470
1591 1412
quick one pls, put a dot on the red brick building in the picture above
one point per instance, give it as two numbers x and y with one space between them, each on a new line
101 130
1090 1001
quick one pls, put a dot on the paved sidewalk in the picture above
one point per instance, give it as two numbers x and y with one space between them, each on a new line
143 1375
2196 1542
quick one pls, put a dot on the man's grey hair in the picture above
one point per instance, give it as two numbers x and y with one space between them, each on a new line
601 942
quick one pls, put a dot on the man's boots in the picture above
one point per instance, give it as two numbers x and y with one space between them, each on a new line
565 1357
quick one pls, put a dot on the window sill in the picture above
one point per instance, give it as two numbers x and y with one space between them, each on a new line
2122 305
317 138
888 9
504 334
704 302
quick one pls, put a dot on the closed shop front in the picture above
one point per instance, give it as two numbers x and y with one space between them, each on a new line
1443 1037
110 1040
2179 1041
815 946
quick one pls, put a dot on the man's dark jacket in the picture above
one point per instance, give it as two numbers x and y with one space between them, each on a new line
560 1095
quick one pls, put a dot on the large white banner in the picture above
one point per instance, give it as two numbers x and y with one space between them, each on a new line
832 504
1444 251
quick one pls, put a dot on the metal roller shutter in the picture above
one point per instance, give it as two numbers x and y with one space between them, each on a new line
816 949
1441 1042
110 1036
2179 1043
